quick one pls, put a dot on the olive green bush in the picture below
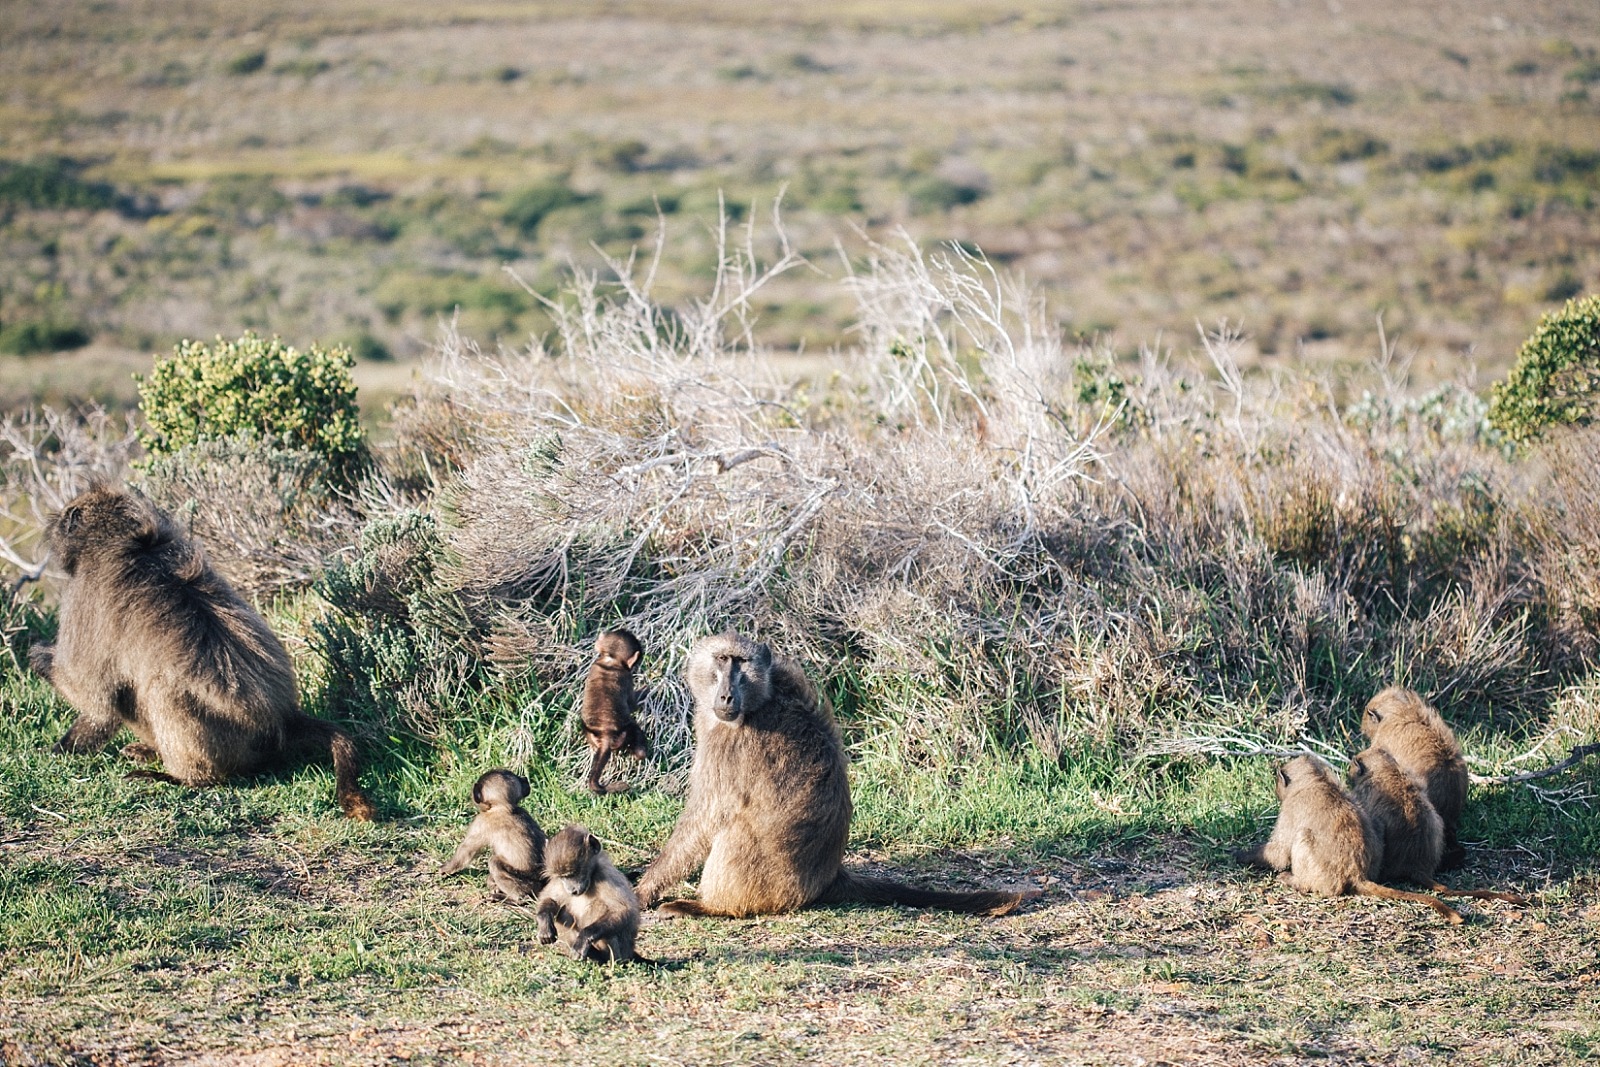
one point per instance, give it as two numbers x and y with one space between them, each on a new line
1556 378
289 398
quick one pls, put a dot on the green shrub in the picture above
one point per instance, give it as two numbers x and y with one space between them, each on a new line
1556 377
527 208
51 184
301 400
247 62
30 337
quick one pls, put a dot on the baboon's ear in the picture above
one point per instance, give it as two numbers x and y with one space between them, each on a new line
1283 774
69 519
633 660
763 657
1358 767
1377 716
477 791
594 843
523 789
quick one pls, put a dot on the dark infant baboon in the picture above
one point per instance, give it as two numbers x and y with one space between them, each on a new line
586 900
609 704
1400 721
516 844
1323 843
152 638
1397 806
769 807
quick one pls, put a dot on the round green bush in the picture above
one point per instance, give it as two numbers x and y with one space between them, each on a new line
255 385
1556 378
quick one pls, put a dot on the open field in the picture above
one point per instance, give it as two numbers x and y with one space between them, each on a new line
1071 574
360 171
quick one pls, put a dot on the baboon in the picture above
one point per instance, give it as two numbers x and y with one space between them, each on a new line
768 810
587 900
152 638
609 704
1400 721
516 844
1323 843
1397 806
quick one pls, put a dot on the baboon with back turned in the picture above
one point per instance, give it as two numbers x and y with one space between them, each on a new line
1397 806
514 840
609 704
768 811
1410 728
1323 843
152 638
586 901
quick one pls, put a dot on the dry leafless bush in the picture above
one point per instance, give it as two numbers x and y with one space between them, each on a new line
983 540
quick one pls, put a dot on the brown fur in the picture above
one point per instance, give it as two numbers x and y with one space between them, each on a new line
516 844
586 900
768 811
1400 721
609 704
153 639
1397 805
1323 843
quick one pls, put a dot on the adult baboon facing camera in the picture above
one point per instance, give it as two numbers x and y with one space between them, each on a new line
768 811
514 840
609 704
1414 732
152 638
1323 843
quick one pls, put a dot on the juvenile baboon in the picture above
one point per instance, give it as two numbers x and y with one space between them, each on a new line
152 638
515 842
609 704
587 900
1397 807
1400 721
768 810
1323 843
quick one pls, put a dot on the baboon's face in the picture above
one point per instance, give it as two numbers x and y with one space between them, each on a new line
569 859
618 648
499 787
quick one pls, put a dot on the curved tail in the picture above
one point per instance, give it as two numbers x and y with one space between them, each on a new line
1373 889
316 736
858 888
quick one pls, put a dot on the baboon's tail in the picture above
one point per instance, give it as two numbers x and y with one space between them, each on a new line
316 736
1373 889
858 888
1477 894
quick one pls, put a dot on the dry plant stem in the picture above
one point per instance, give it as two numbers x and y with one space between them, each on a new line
1578 754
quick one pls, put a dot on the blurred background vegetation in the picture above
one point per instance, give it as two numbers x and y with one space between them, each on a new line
355 174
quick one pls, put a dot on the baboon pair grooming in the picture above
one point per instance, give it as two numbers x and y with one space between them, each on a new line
768 811
152 638
582 896
1331 842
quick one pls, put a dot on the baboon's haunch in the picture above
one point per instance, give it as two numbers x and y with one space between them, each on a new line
586 901
768 810
515 842
1397 807
1400 721
153 639
1323 843
609 705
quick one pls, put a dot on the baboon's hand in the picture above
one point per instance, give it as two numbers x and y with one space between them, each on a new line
547 930
581 946
42 658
